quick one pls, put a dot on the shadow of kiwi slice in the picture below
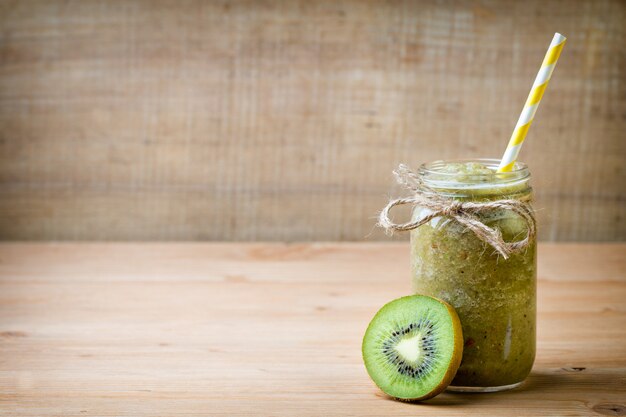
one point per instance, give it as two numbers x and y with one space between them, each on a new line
413 347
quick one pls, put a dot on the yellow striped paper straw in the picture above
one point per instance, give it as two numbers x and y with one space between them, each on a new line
532 103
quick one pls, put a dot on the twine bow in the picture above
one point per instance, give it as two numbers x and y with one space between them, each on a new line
464 213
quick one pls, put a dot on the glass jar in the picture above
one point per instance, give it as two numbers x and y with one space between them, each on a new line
494 297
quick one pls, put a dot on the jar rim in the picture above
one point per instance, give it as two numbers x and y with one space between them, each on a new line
433 175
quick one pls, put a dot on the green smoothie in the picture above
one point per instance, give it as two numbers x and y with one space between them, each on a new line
494 298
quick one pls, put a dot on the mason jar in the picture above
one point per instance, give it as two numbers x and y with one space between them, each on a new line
494 297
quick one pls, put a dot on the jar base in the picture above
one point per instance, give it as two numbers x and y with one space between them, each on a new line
484 389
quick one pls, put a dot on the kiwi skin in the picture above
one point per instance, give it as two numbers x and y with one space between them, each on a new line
455 361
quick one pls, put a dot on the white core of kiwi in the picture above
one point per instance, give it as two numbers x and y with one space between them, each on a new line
409 348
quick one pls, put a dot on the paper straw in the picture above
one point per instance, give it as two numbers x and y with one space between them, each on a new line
532 103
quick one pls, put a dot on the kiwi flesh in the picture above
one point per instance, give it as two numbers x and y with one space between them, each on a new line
413 347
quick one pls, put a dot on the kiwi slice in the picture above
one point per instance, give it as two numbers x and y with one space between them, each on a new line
413 347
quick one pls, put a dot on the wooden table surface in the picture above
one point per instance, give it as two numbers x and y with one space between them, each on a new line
272 329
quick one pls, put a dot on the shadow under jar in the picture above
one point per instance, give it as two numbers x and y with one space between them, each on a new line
494 297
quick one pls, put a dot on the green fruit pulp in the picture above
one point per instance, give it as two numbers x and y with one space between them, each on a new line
409 346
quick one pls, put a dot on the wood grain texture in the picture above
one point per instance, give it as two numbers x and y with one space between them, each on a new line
282 120
272 330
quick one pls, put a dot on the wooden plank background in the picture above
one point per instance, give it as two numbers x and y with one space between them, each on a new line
282 120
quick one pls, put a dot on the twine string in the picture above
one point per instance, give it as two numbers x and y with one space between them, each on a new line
465 213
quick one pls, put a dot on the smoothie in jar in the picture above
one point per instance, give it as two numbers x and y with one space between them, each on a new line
494 297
